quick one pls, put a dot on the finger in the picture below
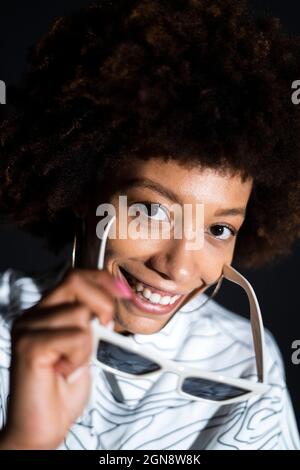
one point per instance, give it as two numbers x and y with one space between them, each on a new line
99 301
68 315
114 285
63 350
78 373
78 281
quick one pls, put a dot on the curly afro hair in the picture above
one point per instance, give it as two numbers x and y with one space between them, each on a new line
203 82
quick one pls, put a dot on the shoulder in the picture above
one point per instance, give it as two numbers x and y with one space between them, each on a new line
20 290
267 421
218 339
238 329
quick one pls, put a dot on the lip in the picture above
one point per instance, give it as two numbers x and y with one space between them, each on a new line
146 306
151 287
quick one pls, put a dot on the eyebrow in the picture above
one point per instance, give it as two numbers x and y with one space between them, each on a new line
149 184
232 211
169 194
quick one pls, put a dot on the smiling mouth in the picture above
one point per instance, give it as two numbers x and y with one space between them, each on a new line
149 299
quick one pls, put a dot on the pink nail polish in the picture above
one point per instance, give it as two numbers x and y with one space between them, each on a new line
110 325
125 290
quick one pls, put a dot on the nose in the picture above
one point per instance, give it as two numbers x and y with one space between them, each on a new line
185 267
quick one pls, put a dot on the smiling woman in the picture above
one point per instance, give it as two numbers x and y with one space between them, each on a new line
168 102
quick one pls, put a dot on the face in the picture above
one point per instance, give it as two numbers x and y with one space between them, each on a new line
165 273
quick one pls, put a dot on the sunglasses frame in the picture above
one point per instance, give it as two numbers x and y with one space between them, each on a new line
101 332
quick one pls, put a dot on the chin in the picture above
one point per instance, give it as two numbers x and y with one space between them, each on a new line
138 324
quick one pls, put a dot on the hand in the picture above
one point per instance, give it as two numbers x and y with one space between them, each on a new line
51 349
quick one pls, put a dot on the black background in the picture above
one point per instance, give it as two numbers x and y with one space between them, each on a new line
276 285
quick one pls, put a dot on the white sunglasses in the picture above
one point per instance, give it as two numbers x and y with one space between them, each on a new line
116 354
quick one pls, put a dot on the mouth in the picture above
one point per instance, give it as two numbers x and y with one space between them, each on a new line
149 299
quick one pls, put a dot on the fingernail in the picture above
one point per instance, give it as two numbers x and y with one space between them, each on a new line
75 374
111 325
123 289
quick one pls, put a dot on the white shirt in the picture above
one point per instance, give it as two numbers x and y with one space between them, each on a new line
153 415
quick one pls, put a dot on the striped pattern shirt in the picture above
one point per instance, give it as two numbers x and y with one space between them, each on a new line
150 413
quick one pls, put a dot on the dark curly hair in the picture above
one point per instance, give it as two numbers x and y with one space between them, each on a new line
203 82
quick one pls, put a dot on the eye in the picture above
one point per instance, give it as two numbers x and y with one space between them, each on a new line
223 231
153 211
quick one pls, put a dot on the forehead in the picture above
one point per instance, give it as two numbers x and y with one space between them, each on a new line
189 183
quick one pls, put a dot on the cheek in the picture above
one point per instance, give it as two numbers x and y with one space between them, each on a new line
211 259
226 258
128 248
228 255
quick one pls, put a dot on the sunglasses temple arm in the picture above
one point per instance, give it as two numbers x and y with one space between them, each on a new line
255 317
257 332
100 263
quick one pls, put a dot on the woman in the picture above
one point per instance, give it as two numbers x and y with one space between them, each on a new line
161 102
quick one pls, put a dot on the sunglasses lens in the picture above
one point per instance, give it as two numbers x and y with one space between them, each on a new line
123 360
217 391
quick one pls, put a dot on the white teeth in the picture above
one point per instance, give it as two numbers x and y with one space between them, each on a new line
173 299
154 297
165 300
139 287
147 293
